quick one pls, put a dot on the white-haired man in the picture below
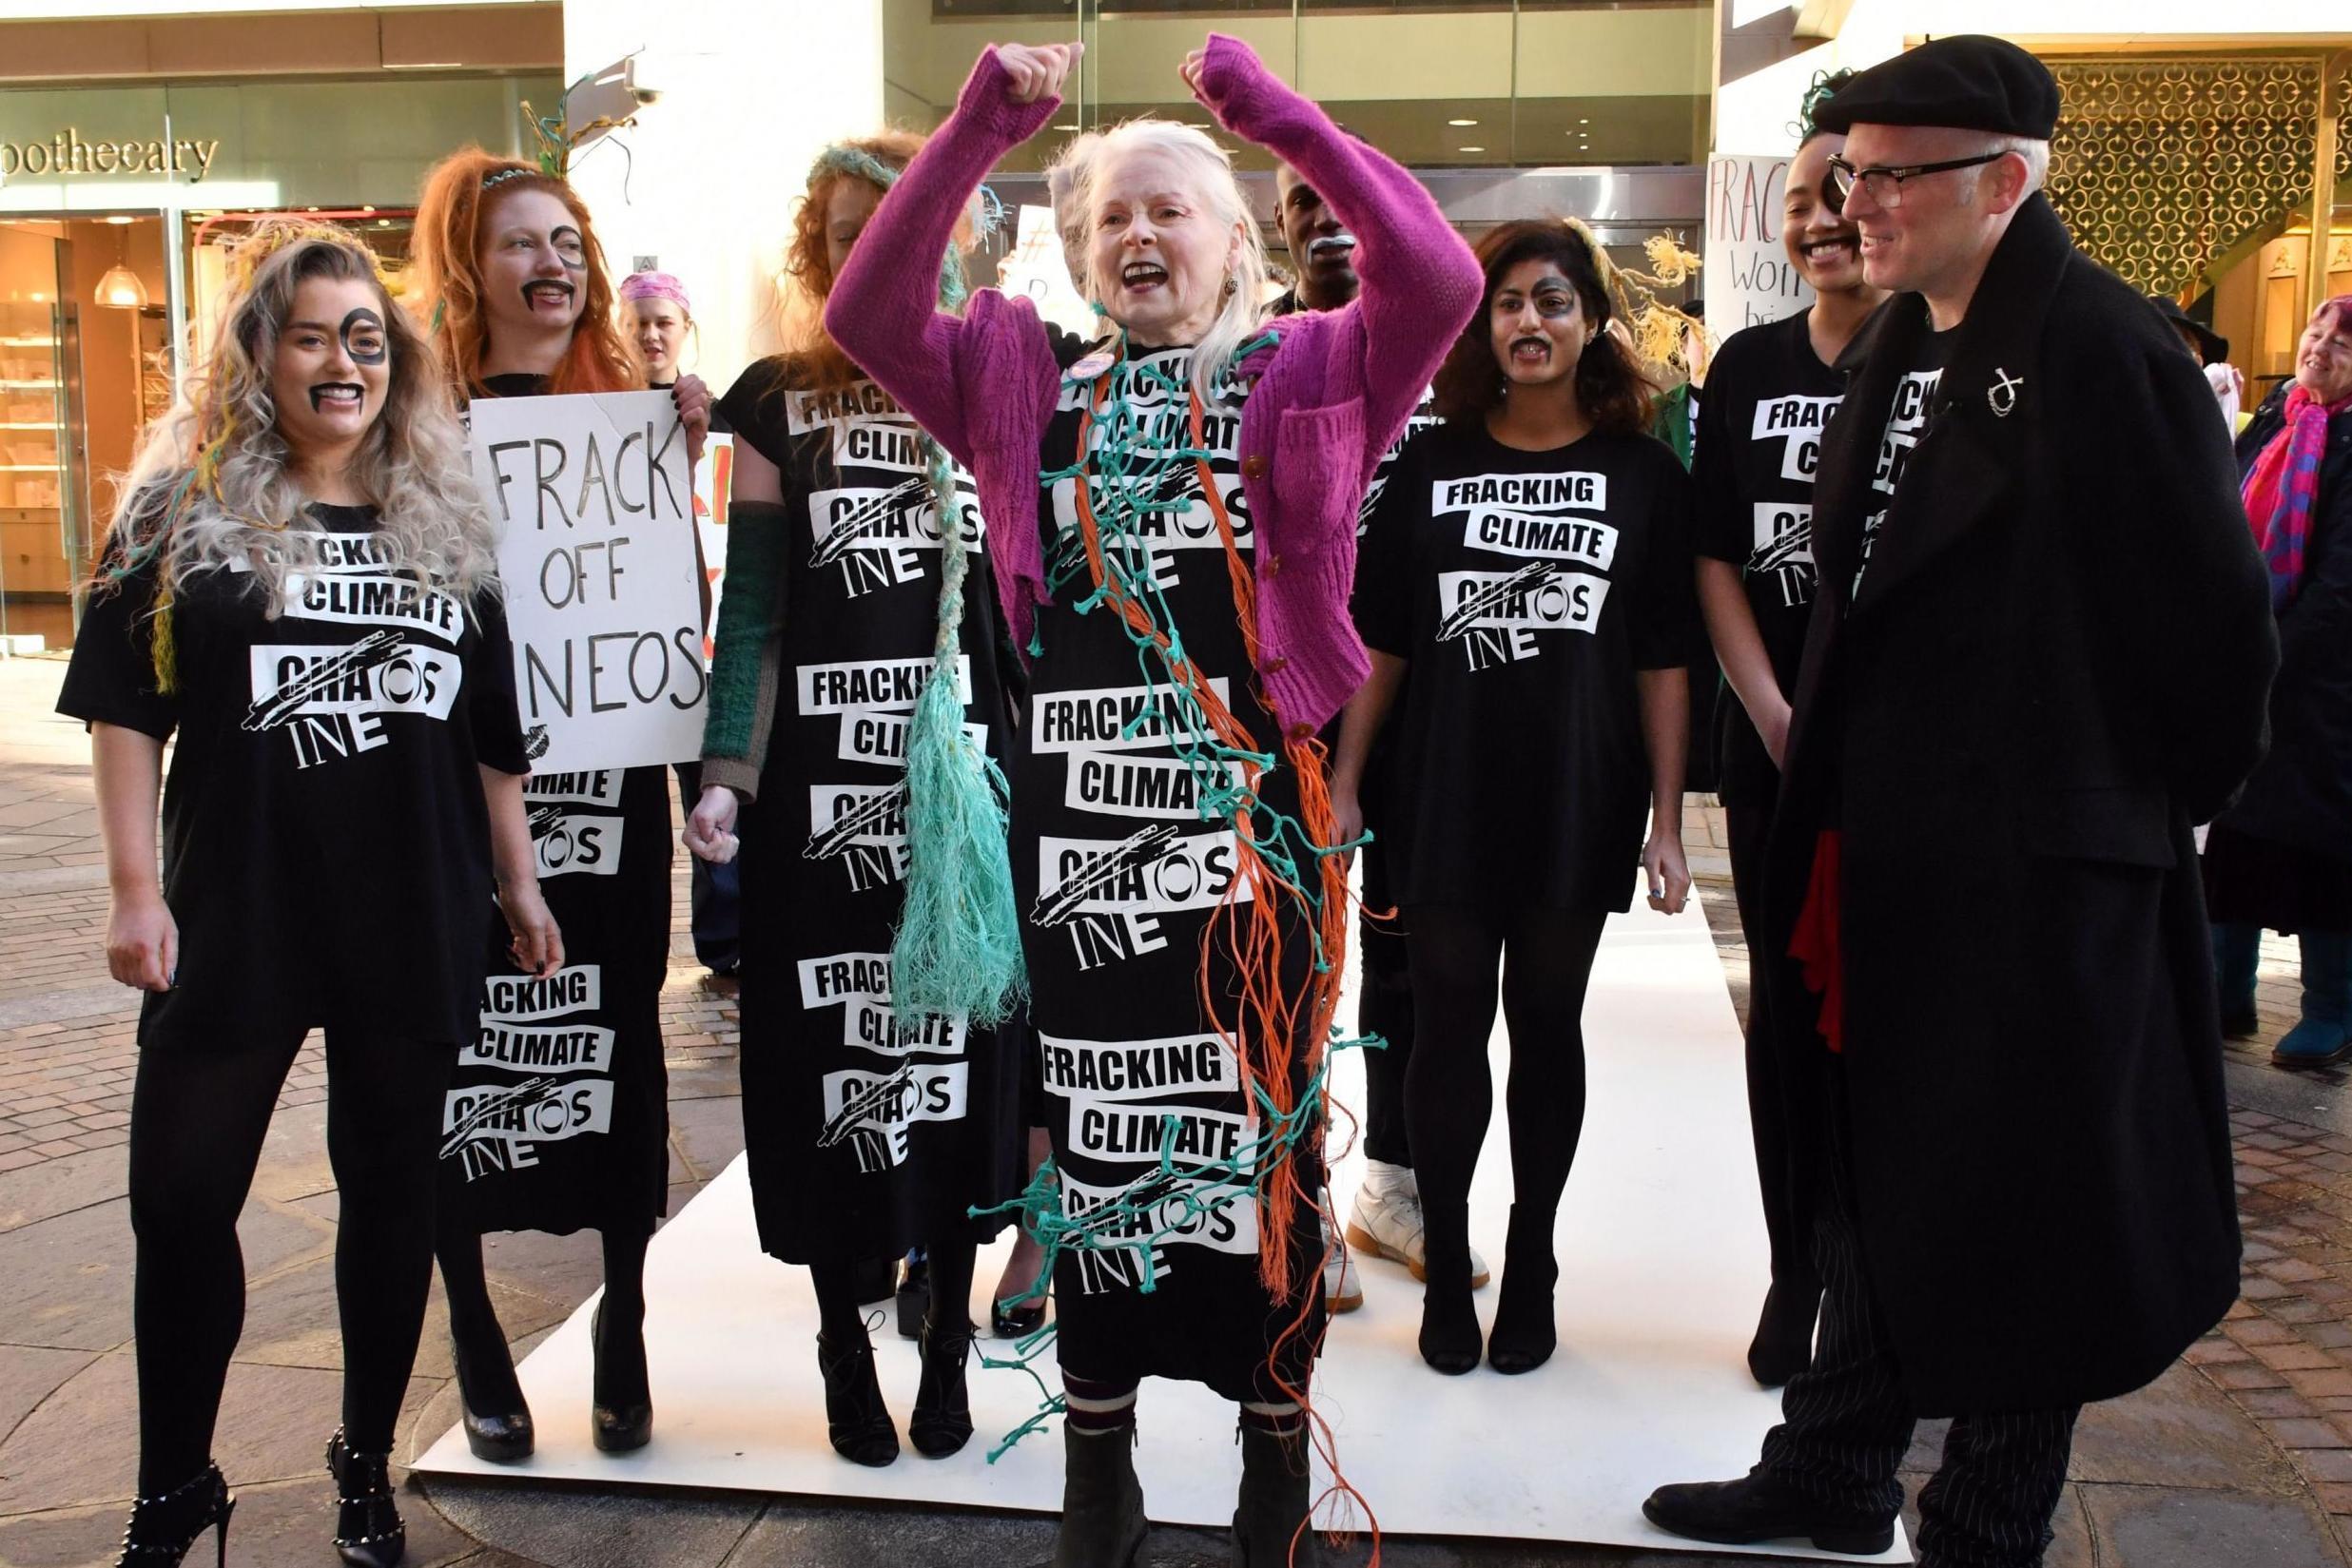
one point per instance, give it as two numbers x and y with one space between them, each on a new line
2039 652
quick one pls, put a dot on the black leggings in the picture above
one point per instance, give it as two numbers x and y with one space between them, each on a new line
1545 957
198 1116
840 1314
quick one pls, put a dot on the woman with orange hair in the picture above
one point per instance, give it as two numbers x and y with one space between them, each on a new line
855 582
513 286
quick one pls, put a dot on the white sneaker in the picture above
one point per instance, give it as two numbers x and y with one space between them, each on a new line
1342 1291
1386 1221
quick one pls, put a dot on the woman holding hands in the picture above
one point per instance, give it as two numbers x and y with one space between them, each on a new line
1173 528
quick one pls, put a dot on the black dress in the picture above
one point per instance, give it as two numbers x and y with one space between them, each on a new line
865 1137
326 847
1526 588
1118 870
559 1112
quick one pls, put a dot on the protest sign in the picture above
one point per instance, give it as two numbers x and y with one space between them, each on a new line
593 502
1748 277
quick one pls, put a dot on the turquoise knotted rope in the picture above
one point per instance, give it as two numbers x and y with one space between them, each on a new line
957 950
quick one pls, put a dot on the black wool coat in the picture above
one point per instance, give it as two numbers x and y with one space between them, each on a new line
2056 661
2302 794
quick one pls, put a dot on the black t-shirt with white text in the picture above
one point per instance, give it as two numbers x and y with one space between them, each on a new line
1526 590
1769 398
1907 424
326 842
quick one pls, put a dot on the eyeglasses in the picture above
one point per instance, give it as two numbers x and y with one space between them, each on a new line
1885 185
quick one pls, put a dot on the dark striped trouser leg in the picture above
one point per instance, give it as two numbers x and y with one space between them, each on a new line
1844 1422
1989 1503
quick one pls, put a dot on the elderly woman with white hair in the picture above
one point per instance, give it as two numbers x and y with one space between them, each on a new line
1173 520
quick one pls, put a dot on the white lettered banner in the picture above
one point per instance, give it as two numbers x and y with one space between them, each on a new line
1748 275
593 500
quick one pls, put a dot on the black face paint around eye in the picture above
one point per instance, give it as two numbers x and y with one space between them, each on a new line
362 333
569 249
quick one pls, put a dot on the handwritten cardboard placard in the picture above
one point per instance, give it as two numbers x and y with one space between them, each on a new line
1748 275
593 499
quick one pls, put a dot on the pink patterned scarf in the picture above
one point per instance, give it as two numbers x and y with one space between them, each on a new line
2284 486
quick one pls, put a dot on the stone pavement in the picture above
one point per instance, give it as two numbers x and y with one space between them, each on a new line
2243 1453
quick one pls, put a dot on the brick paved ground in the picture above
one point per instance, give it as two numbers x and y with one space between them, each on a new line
2243 1453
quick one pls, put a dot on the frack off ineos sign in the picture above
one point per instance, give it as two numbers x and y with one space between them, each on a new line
68 153
593 498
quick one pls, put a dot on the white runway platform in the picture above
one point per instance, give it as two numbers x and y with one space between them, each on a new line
1663 1268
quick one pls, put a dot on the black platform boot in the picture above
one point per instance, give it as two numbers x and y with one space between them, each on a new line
497 1425
942 1424
856 1421
1525 1334
1273 1502
621 1412
368 1532
163 1528
1102 1522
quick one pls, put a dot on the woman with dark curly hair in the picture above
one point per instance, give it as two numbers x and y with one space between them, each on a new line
1530 564
856 578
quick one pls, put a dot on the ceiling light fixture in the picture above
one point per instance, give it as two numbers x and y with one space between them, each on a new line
1472 149
121 288
1460 122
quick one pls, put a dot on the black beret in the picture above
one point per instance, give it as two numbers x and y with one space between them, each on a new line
1967 81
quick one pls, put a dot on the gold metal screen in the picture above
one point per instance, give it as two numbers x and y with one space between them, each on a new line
2159 166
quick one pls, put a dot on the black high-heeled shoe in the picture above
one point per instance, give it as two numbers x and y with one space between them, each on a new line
856 1421
624 1422
163 1528
942 1424
368 1531
497 1437
914 1296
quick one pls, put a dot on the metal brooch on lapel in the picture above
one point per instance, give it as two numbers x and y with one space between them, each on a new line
2002 395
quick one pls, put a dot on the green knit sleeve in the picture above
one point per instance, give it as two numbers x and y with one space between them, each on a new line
745 667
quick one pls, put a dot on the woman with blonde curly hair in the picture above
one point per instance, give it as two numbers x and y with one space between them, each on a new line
299 584
856 581
511 284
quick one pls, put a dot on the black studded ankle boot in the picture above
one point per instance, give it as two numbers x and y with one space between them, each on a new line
164 1527
368 1532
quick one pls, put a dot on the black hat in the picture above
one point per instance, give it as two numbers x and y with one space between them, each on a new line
2211 346
1967 81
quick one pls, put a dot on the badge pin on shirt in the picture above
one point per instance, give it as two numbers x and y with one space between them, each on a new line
2002 395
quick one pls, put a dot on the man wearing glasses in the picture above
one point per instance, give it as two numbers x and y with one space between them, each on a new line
2039 650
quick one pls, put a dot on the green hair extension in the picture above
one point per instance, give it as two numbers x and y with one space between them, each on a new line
957 945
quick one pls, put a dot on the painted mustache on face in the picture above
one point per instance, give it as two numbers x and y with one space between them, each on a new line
553 288
1535 340
1322 245
339 391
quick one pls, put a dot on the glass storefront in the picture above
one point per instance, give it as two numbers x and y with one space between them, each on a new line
116 206
1473 83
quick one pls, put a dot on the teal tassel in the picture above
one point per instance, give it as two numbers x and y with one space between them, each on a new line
958 946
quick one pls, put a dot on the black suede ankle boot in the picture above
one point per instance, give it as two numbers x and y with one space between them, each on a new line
1268 1523
1102 1522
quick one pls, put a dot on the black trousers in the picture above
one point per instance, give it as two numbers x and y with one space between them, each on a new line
1793 1269
199 1112
1383 1007
1845 1422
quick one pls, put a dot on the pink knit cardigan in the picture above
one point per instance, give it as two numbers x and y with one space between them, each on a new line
1329 399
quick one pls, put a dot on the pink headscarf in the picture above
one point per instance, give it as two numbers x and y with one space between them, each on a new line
656 285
